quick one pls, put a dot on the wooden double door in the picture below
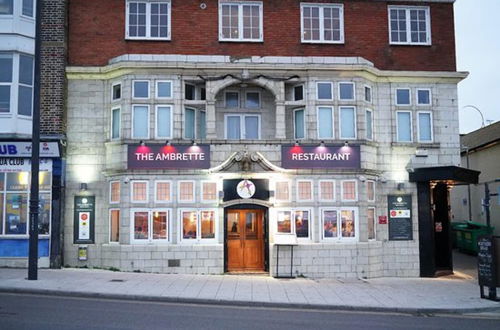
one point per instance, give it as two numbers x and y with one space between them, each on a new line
245 240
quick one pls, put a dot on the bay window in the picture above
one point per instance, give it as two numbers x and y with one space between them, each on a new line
115 123
148 19
369 124
16 83
240 21
6 7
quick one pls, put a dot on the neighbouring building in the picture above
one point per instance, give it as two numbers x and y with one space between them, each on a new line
204 136
481 152
17 49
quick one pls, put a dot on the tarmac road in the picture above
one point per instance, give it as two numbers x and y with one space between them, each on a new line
26 311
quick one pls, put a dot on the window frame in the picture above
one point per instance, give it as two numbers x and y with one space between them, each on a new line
184 123
295 124
374 191
157 136
33 2
240 5
13 11
117 83
367 87
418 99
331 90
353 84
132 200
302 85
242 117
157 201
111 210
320 191
193 200
288 182
374 223
147 122
321 7
408 41
431 127
157 82
150 240
148 20
396 97
225 99
133 89
202 189
355 123
356 198
339 238
199 239
111 192
332 108
246 99
119 108
411 126
366 125
311 182
293 227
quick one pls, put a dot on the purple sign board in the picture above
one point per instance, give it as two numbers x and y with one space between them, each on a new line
305 157
168 157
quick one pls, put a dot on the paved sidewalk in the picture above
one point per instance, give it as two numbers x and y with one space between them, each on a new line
454 294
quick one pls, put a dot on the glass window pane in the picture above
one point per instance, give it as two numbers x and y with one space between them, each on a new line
368 94
115 124
325 91
304 189
298 93
423 97
141 89
26 70
189 123
140 124
141 225
349 190
403 96
44 202
44 181
302 224
16 214
330 224
1 209
284 222
2 184
346 91
327 190
202 125
299 124
28 8
6 67
369 125
4 98
114 226
348 229
17 181
347 123
325 122
253 100
207 224
282 191
370 190
371 223
404 127
163 191
424 126
160 225
209 191
189 225
190 92
117 92
186 193
115 192
164 89
6 7
251 127
232 100
163 122
233 127
139 192
25 101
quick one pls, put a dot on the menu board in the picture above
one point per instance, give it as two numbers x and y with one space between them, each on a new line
486 267
84 219
400 224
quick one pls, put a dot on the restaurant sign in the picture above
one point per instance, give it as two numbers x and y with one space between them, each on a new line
168 157
298 157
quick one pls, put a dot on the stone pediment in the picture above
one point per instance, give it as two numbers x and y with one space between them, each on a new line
246 162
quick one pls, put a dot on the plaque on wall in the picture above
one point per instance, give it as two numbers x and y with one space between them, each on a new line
84 220
400 223
246 188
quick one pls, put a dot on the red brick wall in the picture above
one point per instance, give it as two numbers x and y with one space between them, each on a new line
97 30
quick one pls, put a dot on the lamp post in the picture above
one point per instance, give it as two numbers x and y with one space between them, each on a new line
35 154
476 108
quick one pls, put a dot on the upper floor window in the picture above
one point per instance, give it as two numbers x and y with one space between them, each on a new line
148 19
240 21
322 23
346 91
403 96
116 91
28 9
6 7
324 91
409 25
242 127
16 83
423 96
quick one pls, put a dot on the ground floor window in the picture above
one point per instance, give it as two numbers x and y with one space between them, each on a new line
339 223
114 225
197 225
294 221
150 225
370 216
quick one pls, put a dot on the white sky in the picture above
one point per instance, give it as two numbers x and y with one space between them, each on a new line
477 33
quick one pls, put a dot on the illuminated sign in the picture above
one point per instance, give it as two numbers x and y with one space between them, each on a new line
84 220
23 149
165 157
297 157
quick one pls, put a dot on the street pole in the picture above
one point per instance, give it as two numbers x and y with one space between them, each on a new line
35 153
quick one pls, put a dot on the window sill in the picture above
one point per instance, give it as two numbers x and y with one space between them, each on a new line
431 145
341 42
242 40
409 44
147 39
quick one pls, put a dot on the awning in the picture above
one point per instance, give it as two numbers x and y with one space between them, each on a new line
451 174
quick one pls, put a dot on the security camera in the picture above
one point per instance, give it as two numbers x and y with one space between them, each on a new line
126 180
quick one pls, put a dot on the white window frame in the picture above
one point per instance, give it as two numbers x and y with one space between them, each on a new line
119 218
246 98
240 20
396 97
418 99
408 27
431 128
288 182
179 191
171 121
331 89
113 89
225 99
366 125
353 90
148 123
320 197
119 124
293 227
355 124
374 224
150 239
342 191
198 239
371 94
411 126
157 90
133 89
111 192
242 125
184 123
374 191
295 126
339 238
132 200
21 10
156 191
208 201
148 20
311 182
15 84
333 122
321 7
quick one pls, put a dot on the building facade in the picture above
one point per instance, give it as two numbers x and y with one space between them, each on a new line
206 136
17 49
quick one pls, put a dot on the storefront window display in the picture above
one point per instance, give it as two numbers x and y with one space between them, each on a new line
339 223
295 221
198 225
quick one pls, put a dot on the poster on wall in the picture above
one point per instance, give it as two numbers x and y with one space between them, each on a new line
84 220
400 223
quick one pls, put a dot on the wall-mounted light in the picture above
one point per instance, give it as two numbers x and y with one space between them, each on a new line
194 143
346 143
297 143
142 143
362 178
401 185
83 186
168 143
322 144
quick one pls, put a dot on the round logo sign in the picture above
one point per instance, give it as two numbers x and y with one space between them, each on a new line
245 189
399 199
84 216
